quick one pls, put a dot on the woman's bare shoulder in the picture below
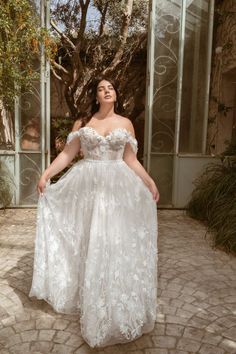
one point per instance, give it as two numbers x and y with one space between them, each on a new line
127 124
77 125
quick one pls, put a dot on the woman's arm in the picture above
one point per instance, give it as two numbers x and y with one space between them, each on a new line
63 159
131 159
60 162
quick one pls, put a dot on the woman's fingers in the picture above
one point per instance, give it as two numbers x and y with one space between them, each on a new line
156 196
40 189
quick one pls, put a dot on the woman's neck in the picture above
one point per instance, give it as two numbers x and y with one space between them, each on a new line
105 112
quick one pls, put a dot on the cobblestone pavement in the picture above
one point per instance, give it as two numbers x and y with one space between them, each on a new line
197 295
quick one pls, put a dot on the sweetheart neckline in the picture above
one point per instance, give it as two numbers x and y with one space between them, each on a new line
109 133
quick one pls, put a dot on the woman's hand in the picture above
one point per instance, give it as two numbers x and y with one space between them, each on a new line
41 184
153 189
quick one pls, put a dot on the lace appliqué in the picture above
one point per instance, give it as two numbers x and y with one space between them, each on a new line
133 142
72 135
92 143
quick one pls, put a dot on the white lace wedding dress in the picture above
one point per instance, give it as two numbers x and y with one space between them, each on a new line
96 243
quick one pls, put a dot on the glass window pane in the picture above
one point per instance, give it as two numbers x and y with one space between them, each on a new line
165 62
30 116
7 131
30 171
167 26
194 77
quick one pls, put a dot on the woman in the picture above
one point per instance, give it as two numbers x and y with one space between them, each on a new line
96 242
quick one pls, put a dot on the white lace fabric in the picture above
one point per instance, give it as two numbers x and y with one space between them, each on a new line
96 243
99 147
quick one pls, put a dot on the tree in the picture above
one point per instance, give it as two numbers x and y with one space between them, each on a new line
223 61
20 35
114 43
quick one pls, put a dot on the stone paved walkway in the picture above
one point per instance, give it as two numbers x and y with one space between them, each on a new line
197 295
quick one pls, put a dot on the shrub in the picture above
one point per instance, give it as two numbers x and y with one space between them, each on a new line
7 185
214 201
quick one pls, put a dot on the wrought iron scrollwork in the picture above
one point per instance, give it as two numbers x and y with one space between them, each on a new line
167 28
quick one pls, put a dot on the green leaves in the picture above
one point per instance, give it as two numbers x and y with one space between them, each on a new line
214 200
7 185
20 37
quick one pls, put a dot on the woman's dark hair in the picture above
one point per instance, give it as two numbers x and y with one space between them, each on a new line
92 93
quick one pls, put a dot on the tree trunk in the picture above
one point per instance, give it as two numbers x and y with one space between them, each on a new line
223 60
123 35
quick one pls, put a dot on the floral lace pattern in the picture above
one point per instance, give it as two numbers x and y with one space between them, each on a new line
95 145
96 243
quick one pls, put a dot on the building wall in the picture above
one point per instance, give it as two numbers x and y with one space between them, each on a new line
223 78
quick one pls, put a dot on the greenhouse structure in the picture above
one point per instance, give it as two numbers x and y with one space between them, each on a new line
177 104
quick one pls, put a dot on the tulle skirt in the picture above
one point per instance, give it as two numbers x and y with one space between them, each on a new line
96 251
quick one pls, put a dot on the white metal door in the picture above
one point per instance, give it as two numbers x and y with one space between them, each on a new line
179 62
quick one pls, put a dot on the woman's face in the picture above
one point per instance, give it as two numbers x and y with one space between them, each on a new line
106 92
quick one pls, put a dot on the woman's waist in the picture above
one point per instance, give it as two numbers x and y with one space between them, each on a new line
103 160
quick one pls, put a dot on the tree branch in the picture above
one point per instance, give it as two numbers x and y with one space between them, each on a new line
142 39
76 61
123 36
62 35
103 17
55 74
59 67
84 10
82 3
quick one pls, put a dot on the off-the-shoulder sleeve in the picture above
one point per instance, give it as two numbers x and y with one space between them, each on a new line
72 135
133 142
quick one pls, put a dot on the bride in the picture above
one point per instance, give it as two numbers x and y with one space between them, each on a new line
96 239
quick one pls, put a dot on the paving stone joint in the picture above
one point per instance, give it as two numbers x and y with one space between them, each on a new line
196 295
